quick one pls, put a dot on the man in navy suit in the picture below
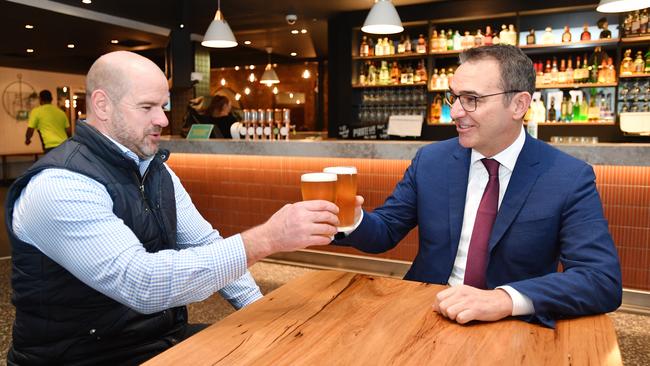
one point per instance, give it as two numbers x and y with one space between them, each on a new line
548 209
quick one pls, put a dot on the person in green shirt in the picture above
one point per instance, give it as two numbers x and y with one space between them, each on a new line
50 121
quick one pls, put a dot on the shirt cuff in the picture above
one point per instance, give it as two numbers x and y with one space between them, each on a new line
521 304
356 225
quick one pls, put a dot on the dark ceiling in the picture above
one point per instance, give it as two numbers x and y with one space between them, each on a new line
91 27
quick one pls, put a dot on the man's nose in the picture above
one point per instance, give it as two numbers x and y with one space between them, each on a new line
160 118
457 109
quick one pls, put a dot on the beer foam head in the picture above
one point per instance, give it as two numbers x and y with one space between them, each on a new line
318 177
341 170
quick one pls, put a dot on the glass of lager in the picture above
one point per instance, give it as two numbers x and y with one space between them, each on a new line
346 192
318 186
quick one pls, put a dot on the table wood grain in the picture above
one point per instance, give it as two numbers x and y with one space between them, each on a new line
341 318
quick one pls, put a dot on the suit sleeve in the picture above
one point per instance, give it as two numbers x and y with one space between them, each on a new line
590 282
383 228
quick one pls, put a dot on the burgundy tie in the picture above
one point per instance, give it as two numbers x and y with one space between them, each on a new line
485 216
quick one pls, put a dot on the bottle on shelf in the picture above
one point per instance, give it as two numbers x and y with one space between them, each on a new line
363 49
566 36
584 108
458 41
551 111
627 63
627 25
610 75
639 63
450 40
547 37
512 32
643 22
400 45
421 72
362 75
503 35
554 72
530 38
422 45
647 62
564 109
395 74
442 41
372 74
585 36
569 72
478 38
593 113
576 109
577 72
371 47
636 23
561 76
605 33
585 70
487 39
384 73
408 47
435 110
445 115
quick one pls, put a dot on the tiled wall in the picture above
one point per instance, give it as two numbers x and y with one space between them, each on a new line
236 192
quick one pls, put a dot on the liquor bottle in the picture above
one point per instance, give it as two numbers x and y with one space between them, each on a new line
391 47
569 108
575 110
577 72
551 111
433 46
561 76
627 25
400 45
408 47
433 82
636 23
547 37
487 39
379 47
436 110
372 74
450 75
610 75
478 38
468 40
422 45
569 72
384 74
626 63
566 36
395 74
585 36
647 62
643 22
363 50
584 108
530 38
362 75
554 72
457 41
371 47
547 73
450 40
564 109
387 47
445 116
442 41
503 35
639 63
444 82
421 72
602 71
585 70
593 113
512 35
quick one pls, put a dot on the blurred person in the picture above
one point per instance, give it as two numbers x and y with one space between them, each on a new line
218 113
498 210
50 121
107 246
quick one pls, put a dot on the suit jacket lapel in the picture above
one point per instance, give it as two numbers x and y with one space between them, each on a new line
458 170
526 171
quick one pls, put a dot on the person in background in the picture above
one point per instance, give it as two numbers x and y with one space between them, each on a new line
50 121
498 210
218 113
107 246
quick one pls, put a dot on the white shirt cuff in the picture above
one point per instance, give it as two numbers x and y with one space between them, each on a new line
521 304
356 225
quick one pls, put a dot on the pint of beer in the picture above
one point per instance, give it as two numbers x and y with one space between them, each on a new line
346 192
318 186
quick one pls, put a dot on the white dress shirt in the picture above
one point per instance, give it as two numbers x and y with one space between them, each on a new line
476 182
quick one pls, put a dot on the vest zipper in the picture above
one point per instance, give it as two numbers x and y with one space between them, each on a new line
141 187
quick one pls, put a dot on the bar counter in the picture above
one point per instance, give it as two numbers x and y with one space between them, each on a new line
239 184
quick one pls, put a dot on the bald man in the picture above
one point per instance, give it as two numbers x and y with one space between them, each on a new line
107 245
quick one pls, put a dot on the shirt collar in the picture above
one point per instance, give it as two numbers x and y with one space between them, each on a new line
142 164
507 157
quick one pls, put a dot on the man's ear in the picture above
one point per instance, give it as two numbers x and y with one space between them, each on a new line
520 103
101 104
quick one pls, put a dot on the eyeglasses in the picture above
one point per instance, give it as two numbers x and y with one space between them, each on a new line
468 101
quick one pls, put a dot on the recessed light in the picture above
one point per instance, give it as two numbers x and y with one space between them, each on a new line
87 1
114 41
29 26
182 26
252 67
30 50
70 45
294 31
293 54
236 68
247 42
303 31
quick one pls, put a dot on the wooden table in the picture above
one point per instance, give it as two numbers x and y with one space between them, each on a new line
340 318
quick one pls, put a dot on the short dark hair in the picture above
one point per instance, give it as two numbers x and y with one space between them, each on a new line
216 104
515 68
45 96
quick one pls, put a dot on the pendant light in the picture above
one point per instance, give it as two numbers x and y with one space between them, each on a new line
269 77
382 19
620 6
219 34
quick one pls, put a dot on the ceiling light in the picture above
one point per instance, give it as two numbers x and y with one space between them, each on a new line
251 77
30 50
275 90
29 26
236 68
306 74
295 31
223 82
293 54
620 6
87 1
382 19
252 67
303 31
290 95
219 34
237 96
114 41
269 77
182 26
247 90
70 45
247 42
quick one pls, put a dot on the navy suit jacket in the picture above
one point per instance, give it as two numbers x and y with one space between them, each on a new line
551 213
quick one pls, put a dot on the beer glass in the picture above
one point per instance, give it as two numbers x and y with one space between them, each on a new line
346 192
318 186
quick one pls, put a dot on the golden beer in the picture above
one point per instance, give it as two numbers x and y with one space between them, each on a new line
318 186
346 192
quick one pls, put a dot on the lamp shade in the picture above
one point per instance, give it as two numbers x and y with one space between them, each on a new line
219 34
620 6
269 77
382 19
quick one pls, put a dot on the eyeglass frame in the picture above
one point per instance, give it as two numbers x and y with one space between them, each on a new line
475 98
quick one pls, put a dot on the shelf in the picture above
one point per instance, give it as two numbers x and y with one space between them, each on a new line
568 46
445 53
356 86
575 86
439 90
398 56
631 76
638 39
596 123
